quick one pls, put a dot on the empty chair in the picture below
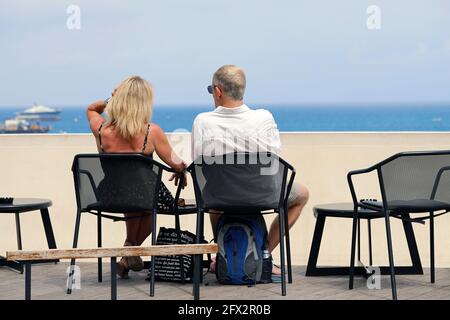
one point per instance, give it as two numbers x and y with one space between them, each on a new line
410 183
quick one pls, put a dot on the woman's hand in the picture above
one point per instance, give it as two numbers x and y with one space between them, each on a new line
179 176
97 107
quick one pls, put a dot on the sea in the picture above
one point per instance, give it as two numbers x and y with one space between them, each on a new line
313 118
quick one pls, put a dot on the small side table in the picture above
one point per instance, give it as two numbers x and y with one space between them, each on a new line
345 210
21 205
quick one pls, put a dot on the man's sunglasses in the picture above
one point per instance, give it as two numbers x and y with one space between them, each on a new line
210 89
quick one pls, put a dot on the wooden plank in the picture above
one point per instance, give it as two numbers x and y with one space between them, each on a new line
165 250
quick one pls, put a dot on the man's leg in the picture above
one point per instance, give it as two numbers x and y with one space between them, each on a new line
295 208
214 218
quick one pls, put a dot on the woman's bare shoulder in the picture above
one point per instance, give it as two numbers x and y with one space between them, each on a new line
95 123
157 135
156 130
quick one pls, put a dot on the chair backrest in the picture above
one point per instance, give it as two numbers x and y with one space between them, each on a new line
417 175
241 182
116 183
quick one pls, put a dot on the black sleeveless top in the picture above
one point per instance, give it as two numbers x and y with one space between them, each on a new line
115 188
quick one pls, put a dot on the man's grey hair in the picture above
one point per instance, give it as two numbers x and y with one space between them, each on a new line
231 81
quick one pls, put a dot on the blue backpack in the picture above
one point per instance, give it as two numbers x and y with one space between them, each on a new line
243 256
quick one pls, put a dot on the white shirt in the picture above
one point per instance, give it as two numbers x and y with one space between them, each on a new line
239 129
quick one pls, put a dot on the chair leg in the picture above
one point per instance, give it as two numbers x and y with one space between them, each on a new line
99 244
152 273
75 244
352 254
180 257
432 269
369 232
288 246
197 258
196 282
391 257
359 240
201 237
281 216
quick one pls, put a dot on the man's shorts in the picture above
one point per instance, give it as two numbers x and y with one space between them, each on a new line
294 194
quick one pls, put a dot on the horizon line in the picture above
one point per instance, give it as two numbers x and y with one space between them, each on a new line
275 105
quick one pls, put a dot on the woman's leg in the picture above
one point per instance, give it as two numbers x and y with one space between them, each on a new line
132 226
137 231
145 228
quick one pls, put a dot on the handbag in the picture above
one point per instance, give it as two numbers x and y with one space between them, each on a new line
169 268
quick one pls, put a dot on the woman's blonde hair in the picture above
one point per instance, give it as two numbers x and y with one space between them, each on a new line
130 109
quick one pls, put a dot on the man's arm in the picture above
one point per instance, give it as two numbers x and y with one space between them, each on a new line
271 133
196 139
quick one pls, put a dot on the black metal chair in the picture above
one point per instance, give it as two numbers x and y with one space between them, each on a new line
244 184
410 183
120 183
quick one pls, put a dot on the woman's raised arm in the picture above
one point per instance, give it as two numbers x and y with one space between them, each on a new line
93 114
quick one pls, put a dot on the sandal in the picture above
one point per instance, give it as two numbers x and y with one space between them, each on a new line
276 274
135 263
123 268
212 266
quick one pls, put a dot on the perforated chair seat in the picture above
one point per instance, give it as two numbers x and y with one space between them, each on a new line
99 206
417 205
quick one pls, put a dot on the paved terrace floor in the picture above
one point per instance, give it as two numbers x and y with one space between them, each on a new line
48 282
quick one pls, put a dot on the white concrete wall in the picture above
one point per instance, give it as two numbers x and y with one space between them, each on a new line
39 166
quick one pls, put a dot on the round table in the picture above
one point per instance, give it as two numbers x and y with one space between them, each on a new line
21 205
24 205
345 210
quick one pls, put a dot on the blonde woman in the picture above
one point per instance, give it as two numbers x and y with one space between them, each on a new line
127 128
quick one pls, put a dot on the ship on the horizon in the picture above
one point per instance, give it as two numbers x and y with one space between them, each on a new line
39 112
12 126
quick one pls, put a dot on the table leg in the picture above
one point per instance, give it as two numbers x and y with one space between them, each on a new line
18 232
113 278
311 269
15 265
48 229
412 246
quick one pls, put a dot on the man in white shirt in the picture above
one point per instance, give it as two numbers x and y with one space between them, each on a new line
234 127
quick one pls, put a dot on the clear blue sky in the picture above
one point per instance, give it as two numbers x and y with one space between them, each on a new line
294 52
